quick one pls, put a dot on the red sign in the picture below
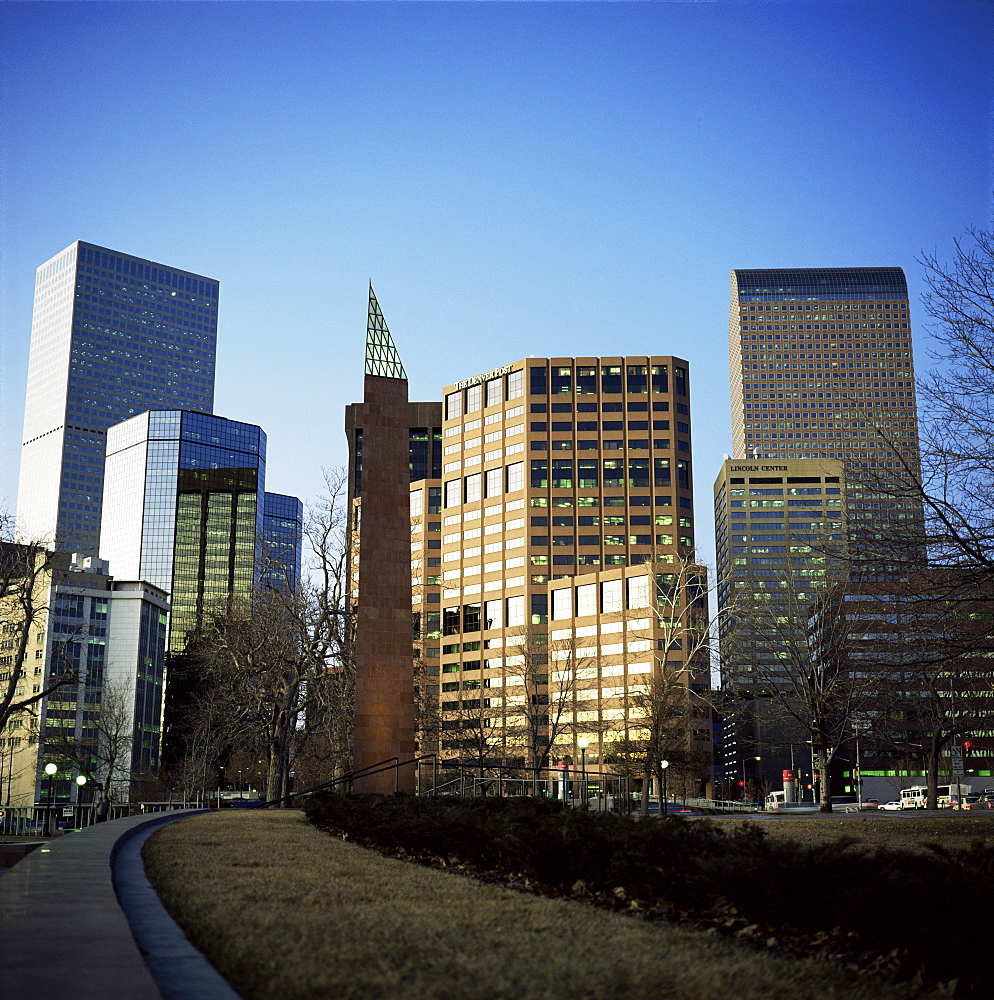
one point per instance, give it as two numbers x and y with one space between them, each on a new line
562 765
788 776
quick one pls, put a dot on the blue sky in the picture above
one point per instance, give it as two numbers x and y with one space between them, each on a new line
516 179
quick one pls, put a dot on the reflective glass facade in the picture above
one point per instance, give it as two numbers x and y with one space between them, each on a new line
282 535
186 508
112 336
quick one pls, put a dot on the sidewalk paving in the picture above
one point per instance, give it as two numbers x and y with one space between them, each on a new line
63 931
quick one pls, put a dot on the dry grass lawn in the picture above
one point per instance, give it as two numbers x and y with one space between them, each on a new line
900 831
286 913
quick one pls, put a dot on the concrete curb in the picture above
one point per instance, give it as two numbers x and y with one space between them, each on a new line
180 970
64 932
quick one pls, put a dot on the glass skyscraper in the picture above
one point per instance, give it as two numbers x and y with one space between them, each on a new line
111 336
185 508
282 537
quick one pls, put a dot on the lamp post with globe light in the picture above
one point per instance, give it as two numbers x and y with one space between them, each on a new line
50 770
80 782
583 743
663 765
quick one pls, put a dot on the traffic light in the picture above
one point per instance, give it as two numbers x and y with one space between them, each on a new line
741 784
967 749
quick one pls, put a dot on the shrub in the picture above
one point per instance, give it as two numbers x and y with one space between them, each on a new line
929 910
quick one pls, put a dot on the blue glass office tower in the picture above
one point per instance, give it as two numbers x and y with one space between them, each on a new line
111 336
186 509
282 535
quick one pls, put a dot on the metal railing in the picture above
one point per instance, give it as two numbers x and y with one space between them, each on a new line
46 820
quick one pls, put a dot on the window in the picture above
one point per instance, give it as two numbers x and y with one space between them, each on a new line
493 614
493 481
638 592
515 611
450 621
495 391
515 476
611 596
562 603
474 488
474 398
516 384
562 381
586 600
453 493
562 473
614 472
471 618
453 405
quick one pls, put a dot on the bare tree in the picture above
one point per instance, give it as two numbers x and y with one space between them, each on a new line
665 710
553 673
809 676
279 664
957 405
27 572
102 750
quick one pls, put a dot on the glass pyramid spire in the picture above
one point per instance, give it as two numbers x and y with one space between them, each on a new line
381 355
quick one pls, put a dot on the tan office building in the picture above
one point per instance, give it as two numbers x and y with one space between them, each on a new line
553 470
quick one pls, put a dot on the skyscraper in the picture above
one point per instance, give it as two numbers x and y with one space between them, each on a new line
821 366
824 434
185 508
111 336
555 471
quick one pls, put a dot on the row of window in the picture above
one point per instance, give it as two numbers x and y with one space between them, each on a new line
567 426
633 444
543 540
492 392
611 473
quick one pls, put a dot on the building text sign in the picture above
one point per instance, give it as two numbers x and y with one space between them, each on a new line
476 379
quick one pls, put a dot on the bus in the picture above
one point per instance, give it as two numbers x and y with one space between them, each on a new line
947 796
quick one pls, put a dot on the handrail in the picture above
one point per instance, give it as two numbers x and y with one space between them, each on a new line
363 772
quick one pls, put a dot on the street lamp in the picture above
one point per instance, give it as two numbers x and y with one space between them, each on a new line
583 743
80 782
50 770
663 764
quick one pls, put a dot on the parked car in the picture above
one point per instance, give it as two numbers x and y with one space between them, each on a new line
894 806
20 826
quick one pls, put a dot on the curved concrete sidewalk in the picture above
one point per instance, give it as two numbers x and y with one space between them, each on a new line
63 931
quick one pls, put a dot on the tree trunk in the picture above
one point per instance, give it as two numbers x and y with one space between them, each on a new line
932 774
824 787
